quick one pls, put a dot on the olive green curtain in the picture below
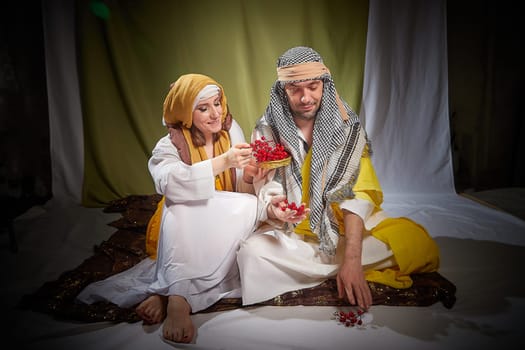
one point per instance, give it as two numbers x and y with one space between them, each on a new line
130 51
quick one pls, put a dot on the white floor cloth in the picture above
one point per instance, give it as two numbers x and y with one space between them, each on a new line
482 254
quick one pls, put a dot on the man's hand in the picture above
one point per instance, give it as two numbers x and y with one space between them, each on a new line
352 284
350 277
278 209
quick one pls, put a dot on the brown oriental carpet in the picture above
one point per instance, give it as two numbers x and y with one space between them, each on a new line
126 247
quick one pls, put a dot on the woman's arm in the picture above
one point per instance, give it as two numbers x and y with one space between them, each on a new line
175 179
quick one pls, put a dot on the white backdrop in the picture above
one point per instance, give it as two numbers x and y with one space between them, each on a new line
65 113
405 103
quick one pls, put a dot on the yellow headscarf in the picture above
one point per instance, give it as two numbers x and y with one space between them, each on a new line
178 105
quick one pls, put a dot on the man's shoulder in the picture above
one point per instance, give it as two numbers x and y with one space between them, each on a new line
261 122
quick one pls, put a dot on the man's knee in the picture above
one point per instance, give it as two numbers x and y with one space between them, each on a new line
254 247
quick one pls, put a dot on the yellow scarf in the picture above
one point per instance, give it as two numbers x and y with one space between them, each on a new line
223 181
304 226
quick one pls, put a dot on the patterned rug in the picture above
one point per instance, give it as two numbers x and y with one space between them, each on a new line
126 247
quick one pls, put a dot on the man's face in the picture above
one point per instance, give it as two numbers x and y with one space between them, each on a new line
304 98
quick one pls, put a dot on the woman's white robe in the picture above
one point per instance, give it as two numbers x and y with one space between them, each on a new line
200 233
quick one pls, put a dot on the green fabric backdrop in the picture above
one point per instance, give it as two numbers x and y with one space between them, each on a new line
130 51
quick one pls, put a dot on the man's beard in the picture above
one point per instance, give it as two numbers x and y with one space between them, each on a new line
306 115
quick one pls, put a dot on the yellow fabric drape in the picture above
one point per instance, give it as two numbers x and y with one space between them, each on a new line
414 250
304 226
153 230
367 186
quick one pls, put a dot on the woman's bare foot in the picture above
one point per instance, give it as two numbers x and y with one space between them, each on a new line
153 309
178 326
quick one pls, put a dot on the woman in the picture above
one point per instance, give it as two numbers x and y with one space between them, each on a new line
201 219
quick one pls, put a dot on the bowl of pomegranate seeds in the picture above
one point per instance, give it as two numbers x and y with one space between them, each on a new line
269 155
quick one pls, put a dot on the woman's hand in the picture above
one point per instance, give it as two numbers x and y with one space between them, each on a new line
239 156
278 209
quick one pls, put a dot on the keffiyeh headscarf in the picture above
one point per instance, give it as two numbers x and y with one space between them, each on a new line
338 143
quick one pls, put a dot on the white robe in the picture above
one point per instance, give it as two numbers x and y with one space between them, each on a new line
200 233
274 260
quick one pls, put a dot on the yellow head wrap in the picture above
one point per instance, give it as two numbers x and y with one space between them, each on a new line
178 105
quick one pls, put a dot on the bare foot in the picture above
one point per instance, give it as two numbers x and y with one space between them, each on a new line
153 309
178 325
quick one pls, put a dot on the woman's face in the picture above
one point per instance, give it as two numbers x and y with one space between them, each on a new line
207 116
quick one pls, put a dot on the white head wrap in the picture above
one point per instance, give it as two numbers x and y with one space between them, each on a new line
207 92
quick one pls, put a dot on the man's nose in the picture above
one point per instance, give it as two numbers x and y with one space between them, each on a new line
305 98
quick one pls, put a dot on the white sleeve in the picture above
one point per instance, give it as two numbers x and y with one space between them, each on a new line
265 190
237 136
175 179
360 207
236 133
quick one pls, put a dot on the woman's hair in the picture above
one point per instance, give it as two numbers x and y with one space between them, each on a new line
198 137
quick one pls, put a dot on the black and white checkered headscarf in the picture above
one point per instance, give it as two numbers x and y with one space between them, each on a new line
338 143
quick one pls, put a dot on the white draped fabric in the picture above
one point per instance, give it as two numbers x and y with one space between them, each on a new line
405 103
65 113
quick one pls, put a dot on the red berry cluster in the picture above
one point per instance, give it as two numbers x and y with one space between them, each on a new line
293 206
350 318
264 152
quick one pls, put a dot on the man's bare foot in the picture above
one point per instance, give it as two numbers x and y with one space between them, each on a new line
153 309
178 326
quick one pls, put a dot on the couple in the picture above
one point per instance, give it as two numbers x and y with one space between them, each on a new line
221 230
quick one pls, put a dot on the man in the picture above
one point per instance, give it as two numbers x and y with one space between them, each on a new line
344 233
